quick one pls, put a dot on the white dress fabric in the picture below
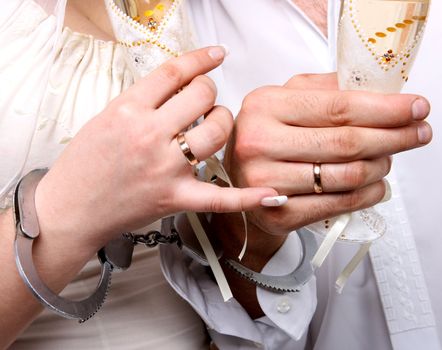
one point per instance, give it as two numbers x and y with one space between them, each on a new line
141 310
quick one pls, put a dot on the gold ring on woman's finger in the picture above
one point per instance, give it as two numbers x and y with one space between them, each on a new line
186 149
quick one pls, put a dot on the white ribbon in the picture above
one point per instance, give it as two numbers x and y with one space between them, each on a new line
210 256
351 266
330 240
216 168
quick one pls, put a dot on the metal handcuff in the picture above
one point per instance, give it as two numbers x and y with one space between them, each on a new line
117 254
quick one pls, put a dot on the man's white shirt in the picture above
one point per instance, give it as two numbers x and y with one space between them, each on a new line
269 42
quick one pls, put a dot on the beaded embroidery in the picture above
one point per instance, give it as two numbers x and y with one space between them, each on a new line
151 35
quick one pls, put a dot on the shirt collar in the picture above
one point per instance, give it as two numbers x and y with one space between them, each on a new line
332 26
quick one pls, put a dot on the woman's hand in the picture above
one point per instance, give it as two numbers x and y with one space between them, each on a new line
125 168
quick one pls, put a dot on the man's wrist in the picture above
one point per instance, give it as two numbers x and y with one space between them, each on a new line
229 230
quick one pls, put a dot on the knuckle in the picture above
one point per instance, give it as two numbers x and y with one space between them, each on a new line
250 103
254 101
200 58
205 91
215 205
226 115
124 109
407 138
347 143
172 73
249 176
257 178
247 146
356 174
338 109
216 134
145 142
299 80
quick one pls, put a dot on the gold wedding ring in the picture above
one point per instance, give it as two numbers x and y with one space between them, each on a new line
317 185
186 149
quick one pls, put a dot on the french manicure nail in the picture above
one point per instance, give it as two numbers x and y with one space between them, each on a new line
420 109
387 195
217 53
226 49
274 201
424 133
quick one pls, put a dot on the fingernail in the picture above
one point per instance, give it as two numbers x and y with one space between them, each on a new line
274 201
226 49
387 195
420 109
424 133
217 53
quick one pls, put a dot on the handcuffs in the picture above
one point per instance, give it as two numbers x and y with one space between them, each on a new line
117 254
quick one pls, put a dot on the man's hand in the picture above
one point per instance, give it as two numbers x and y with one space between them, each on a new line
281 131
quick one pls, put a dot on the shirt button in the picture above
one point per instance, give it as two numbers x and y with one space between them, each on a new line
283 306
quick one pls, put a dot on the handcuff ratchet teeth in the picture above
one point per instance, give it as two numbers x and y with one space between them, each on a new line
117 254
291 282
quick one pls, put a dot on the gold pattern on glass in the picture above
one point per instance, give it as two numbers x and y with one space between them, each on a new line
384 32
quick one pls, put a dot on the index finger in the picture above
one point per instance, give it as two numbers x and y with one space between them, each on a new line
331 108
166 80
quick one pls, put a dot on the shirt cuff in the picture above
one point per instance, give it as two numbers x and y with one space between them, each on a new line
292 312
287 314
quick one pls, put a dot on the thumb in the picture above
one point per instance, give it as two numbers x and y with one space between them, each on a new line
212 198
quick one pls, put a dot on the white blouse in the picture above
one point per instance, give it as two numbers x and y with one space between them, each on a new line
141 310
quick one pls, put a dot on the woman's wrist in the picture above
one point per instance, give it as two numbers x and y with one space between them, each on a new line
59 226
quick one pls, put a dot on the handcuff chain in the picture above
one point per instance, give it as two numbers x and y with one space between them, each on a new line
152 238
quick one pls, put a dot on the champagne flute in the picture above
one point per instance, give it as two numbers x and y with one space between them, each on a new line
377 44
